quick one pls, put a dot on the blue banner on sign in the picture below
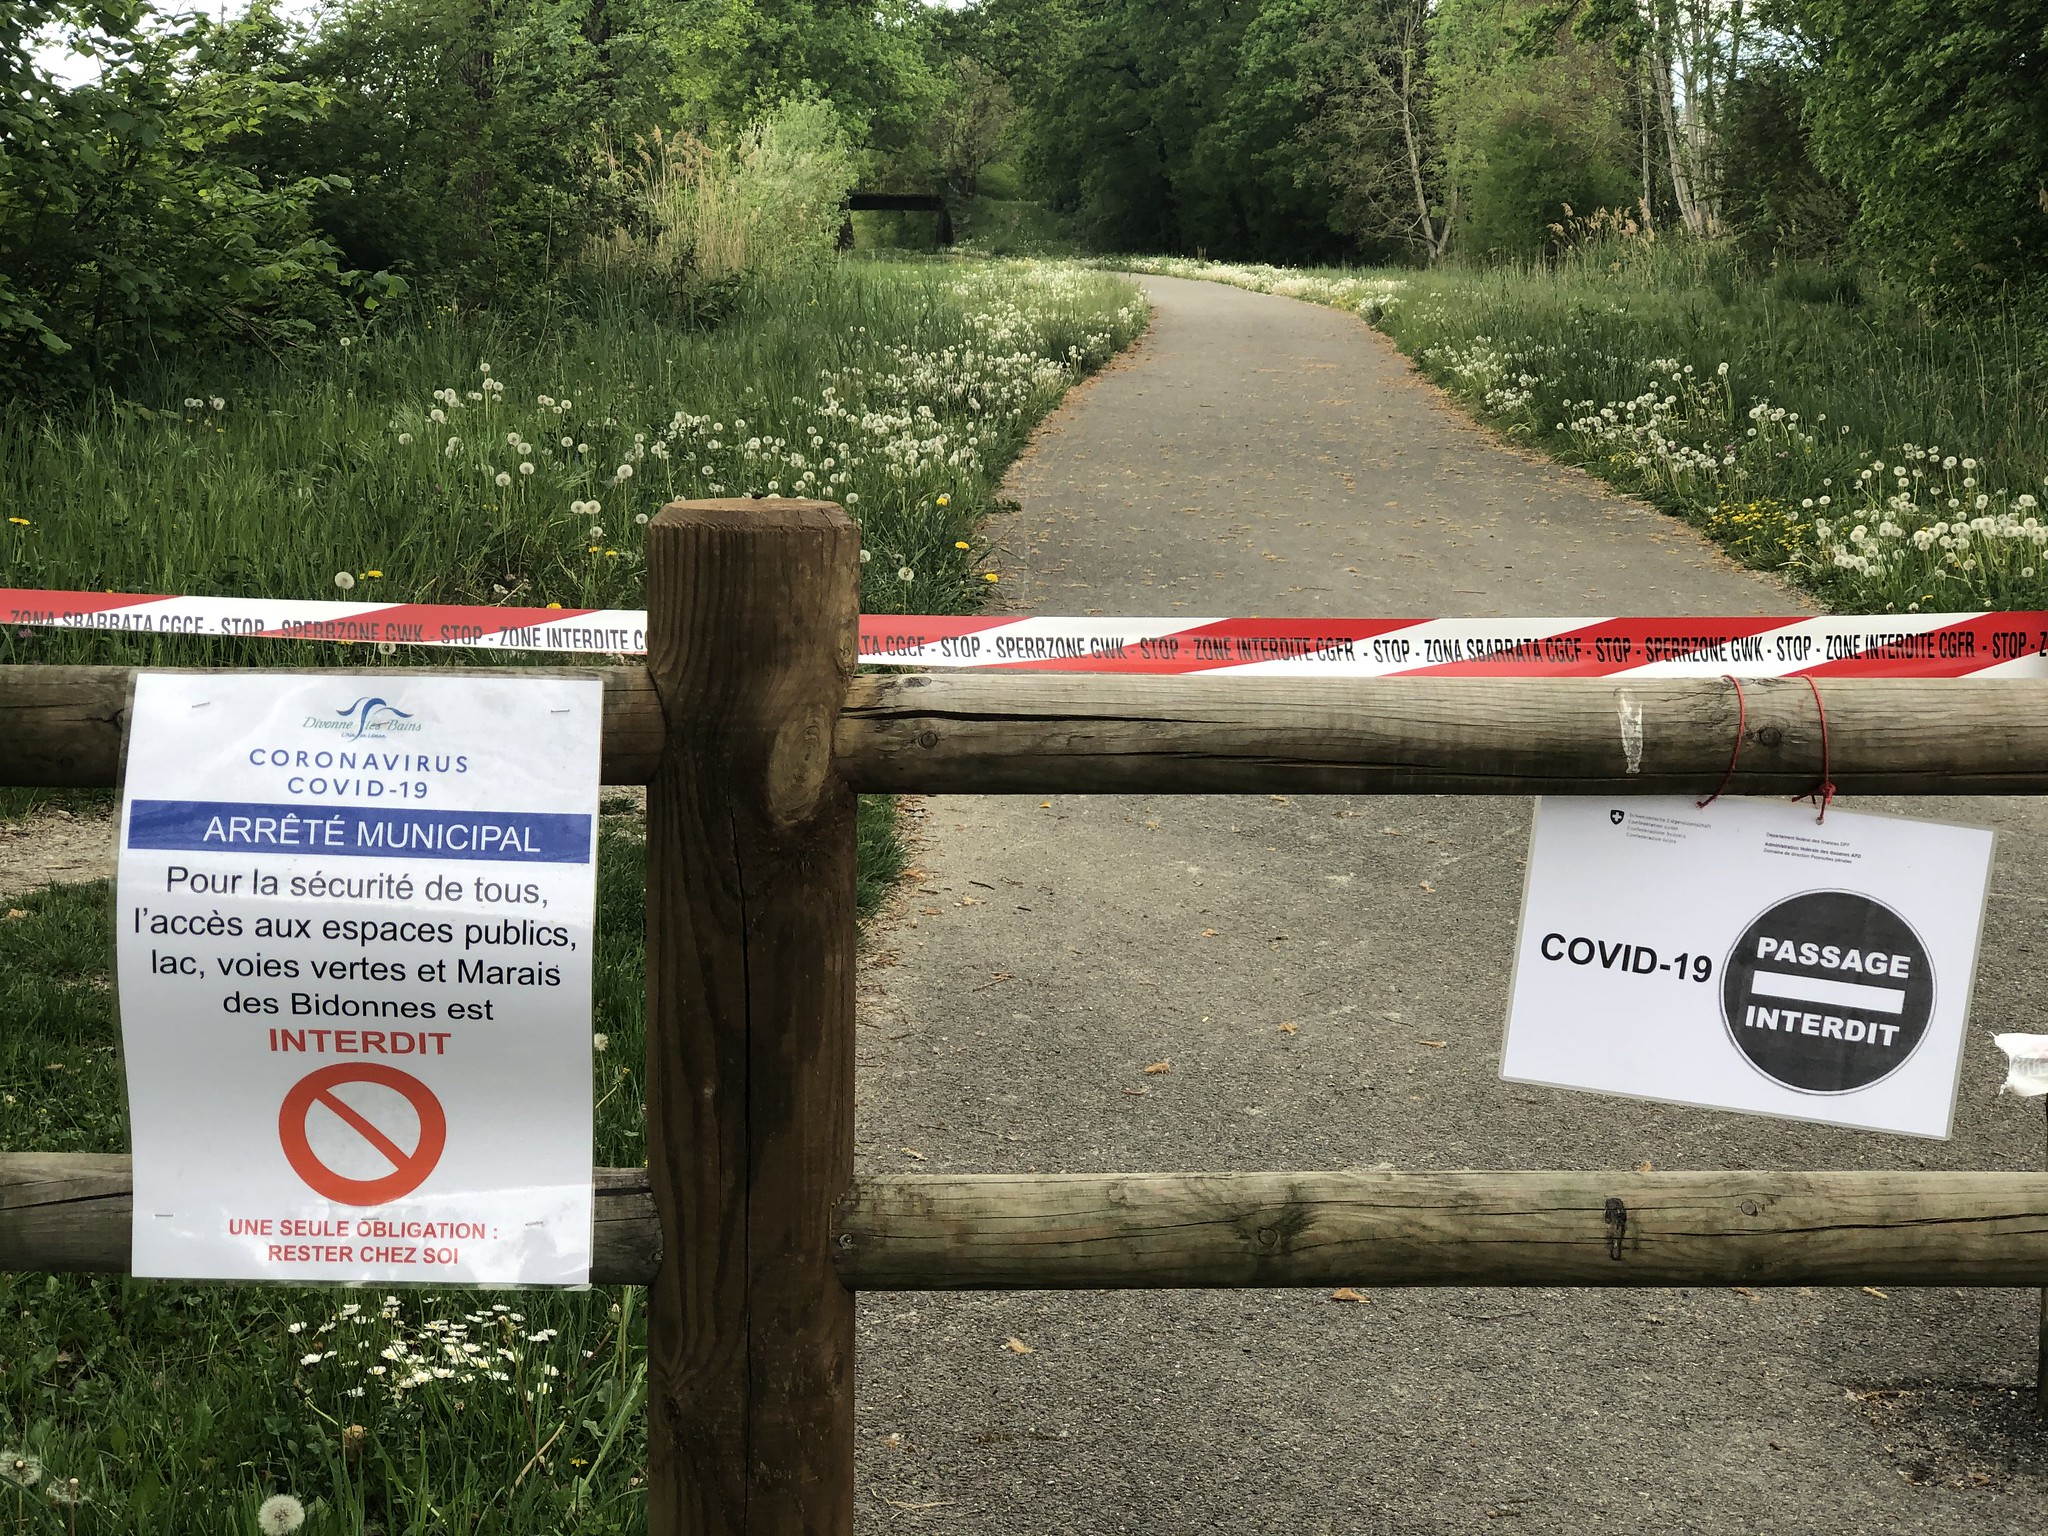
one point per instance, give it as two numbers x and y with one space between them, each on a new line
217 826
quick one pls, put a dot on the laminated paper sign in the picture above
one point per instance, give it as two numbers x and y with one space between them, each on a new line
354 934
1747 957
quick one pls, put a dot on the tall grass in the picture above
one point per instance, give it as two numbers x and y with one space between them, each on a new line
767 204
457 458
1813 422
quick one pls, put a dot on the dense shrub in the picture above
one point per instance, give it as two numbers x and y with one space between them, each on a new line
132 217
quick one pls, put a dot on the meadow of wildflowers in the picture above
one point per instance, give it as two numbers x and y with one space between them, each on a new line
1884 460
454 462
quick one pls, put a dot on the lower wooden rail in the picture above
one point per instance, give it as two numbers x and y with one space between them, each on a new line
70 1213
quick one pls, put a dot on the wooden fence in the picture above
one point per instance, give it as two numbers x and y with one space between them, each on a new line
748 1227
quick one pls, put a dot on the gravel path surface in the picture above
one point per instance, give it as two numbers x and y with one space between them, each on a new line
1261 456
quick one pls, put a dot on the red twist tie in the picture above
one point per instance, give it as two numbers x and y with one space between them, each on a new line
1824 792
1741 720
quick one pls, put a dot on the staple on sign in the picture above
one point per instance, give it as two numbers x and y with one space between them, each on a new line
2026 1064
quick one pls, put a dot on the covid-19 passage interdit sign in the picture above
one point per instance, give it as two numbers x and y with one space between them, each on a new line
355 917
1747 956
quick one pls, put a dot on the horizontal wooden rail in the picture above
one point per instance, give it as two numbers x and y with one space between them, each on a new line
1036 734
1087 1231
61 727
69 1213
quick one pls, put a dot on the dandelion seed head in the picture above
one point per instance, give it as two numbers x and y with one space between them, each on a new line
280 1515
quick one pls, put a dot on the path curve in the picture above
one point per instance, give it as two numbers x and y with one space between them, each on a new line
1258 455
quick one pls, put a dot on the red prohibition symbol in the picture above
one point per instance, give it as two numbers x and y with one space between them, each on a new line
409 1170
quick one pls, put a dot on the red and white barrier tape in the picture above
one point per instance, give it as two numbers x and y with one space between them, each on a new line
1890 645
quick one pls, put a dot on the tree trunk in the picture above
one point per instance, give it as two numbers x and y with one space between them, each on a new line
1432 237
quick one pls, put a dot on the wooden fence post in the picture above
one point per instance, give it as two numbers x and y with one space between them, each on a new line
753 608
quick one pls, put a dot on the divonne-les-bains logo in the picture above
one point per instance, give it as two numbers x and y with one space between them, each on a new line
367 719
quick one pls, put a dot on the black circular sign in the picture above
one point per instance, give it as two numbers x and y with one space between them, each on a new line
1828 992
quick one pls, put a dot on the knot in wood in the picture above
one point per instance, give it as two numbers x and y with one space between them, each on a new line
927 739
1769 736
799 762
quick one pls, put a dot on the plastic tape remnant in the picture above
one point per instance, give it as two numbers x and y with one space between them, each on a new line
2026 1064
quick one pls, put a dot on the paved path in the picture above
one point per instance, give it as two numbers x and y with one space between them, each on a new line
1261 456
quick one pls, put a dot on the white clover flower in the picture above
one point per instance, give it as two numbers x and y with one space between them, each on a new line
345 580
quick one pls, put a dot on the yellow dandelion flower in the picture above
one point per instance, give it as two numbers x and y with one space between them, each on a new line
945 501
19 522
554 605
990 576
373 575
960 544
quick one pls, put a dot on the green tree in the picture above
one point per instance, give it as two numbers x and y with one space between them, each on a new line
1534 117
134 217
1934 113
1178 127
1378 124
